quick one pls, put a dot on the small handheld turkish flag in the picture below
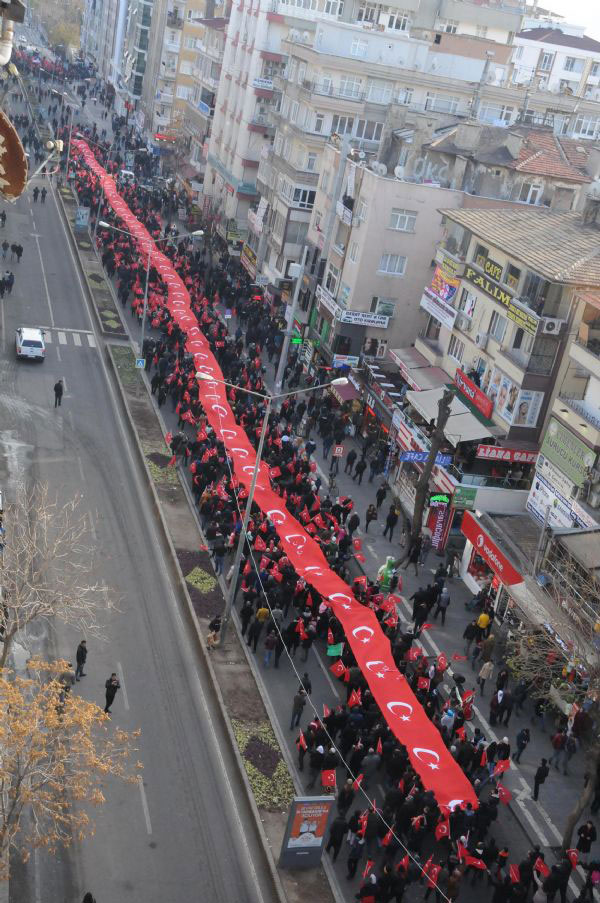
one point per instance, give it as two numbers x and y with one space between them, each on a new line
387 839
403 865
442 829
338 669
328 778
357 782
354 698
502 766
541 867
504 795
368 866
442 662
301 742
475 863
379 747
330 637
459 658
326 711
515 874
573 857
423 683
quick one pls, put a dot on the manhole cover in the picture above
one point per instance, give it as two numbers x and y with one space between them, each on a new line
94 277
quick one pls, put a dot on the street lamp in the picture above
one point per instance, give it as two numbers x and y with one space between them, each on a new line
197 234
201 374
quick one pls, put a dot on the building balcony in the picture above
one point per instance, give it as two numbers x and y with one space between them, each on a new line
519 362
343 213
586 353
430 349
172 46
174 20
580 416
261 123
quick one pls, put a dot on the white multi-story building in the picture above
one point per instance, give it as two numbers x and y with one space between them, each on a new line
560 61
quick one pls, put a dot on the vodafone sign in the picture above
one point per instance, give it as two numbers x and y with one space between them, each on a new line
489 551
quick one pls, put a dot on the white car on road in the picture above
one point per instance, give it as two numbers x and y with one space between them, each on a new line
29 342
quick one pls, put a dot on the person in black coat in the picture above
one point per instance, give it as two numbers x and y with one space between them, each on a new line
336 835
81 656
586 837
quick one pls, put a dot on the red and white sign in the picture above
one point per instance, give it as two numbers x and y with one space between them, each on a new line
471 391
489 551
338 451
509 455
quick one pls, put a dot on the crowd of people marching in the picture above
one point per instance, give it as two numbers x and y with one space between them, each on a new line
405 839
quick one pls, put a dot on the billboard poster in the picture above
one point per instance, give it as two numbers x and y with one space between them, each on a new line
518 407
570 454
443 285
304 837
544 498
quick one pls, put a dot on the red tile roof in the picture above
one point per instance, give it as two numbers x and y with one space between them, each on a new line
542 155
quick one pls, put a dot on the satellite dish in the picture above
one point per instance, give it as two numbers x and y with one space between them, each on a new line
399 172
361 155
382 169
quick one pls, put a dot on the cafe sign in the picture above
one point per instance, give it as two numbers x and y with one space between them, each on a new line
516 313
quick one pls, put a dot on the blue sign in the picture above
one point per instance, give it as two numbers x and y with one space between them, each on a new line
140 363
441 460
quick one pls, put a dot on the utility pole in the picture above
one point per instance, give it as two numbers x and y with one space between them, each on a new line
437 440
290 314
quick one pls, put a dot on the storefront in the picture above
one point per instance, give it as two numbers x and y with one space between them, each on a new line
484 564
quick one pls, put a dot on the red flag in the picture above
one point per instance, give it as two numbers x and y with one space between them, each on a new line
502 766
368 866
461 733
483 760
328 779
354 698
338 669
428 865
423 683
302 632
504 794
305 515
541 867
442 662
301 742
459 658
427 626
461 851
432 874
357 782
515 874
360 557
442 829
259 544
403 864
330 637
274 472
319 522
379 747
414 653
172 461
326 711
475 863
387 839
573 857
357 543
169 439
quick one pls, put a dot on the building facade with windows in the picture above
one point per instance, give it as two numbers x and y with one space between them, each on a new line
560 62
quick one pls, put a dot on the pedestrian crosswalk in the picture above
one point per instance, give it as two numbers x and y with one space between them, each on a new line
81 339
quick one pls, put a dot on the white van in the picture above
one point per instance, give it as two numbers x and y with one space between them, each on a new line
126 176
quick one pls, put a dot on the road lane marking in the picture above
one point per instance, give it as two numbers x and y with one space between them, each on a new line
76 338
62 338
93 529
91 341
48 337
80 465
145 805
45 281
123 687
3 328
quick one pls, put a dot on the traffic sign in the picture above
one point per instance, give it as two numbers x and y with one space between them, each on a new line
338 451
140 363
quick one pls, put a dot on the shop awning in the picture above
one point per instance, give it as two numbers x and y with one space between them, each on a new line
462 426
344 393
416 369
485 546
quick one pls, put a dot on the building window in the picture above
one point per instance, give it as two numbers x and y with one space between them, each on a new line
350 86
304 198
546 61
342 125
531 192
518 53
294 111
392 264
398 20
332 279
319 121
334 8
403 220
379 92
573 64
595 70
440 103
384 306
512 276
481 31
369 130
367 12
358 48
495 114
480 256
362 210
497 326
466 303
456 348
311 162
585 126
432 330
353 252
450 26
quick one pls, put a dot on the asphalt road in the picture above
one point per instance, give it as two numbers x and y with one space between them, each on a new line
178 834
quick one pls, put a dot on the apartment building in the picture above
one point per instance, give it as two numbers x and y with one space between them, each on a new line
561 62
102 33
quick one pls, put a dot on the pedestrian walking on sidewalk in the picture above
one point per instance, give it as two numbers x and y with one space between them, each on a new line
412 556
390 522
470 633
58 393
442 604
380 496
586 837
558 742
371 514
80 657
5 247
111 686
36 192
350 459
523 739
540 777
485 673
43 195
298 704
359 470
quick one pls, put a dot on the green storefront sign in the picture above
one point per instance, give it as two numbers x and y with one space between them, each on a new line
567 452
464 497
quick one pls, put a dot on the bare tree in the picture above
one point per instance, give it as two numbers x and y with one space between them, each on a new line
46 568
437 439
56 751
560 661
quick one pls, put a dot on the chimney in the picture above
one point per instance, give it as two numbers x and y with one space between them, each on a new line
513 143
590 215
592 166
467 135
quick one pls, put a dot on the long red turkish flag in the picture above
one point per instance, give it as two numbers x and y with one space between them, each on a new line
407 719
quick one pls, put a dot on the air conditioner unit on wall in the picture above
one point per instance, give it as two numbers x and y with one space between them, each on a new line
551 325
464 323
481 339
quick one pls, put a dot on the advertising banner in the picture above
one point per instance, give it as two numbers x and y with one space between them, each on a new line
304 836
489 551
472 391
510 455
570 454
518 407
